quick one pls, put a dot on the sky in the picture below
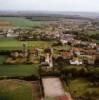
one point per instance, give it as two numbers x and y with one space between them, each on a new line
50 5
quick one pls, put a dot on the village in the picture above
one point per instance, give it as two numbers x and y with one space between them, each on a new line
69 32
72 55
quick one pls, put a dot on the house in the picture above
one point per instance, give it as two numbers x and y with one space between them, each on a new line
92 45
76 61
67 54
77 51
90 52
11 33
97 48
65 38
63 41
75 42
84 43
47 60
91 59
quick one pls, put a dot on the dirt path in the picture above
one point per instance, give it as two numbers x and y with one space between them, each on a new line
36 95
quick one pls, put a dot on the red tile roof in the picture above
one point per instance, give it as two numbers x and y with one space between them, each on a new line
64 98
66 53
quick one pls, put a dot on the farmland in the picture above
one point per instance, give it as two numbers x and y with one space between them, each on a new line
17 70
10 43
20 22
80 87
15 90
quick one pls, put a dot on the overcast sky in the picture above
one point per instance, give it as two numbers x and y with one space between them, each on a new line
51 5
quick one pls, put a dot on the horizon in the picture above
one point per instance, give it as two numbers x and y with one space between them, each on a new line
48 12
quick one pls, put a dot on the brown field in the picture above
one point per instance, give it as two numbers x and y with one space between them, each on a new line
36 92
4 23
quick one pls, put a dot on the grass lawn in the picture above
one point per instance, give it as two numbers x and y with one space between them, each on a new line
2 59
15 90
20 21
18 70
58 48
10 43
64 47
80 86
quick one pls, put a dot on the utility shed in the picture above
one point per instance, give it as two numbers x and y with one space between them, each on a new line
52 87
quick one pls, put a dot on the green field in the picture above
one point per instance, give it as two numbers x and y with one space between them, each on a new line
80 86
11 43
22 70
17 70
8 43
20 21
2 59
15 90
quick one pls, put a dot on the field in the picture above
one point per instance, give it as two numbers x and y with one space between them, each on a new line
19 22
11 43
15 90
4 23
2 59
80 86
8 43
22 70
17 70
